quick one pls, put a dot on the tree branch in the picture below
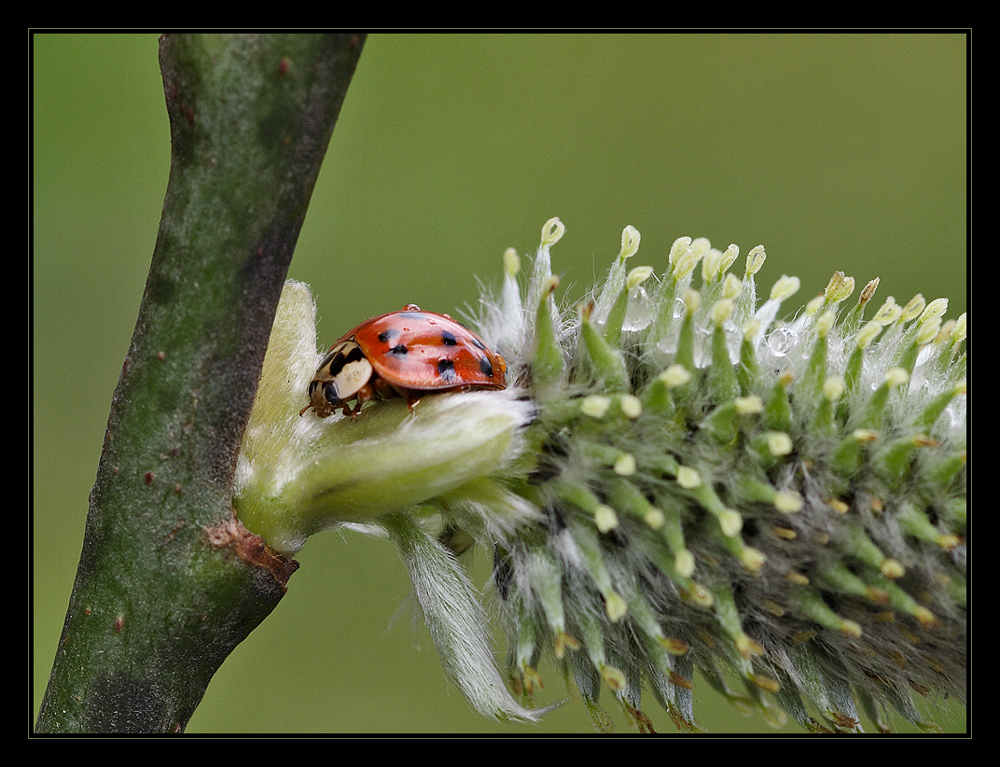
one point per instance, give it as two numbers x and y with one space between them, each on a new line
169 581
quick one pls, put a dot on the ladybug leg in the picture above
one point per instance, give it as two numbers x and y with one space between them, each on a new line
412 398
364 394
318 410
384 389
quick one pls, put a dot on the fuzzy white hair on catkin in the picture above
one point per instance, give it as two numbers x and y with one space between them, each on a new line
456 621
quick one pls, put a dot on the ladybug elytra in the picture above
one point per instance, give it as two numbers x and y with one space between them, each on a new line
406 354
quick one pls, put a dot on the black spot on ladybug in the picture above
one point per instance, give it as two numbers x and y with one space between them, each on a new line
446 369
486 367
449 339
400 350
386 335
340 360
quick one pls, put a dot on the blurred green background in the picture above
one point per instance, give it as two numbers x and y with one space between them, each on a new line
833 151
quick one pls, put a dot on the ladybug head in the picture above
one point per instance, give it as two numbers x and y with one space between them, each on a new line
342 374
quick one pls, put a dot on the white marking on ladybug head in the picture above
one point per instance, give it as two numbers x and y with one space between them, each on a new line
349 370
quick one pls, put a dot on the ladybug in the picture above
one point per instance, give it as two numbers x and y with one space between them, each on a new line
402 354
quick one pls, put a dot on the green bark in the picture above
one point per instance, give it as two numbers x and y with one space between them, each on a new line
169 581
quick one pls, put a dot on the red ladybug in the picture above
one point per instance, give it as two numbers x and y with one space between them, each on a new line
403 354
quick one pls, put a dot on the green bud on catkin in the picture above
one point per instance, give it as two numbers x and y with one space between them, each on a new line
606 362
547 358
